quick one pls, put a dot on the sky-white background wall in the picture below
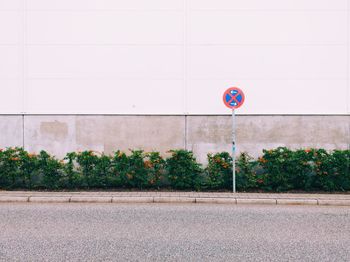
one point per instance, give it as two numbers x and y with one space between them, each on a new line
174 56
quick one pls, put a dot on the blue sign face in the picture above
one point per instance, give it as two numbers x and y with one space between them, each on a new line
233 98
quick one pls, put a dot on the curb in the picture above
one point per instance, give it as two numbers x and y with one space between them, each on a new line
87 199
327 202
43 199
13 199
250 201
139 200
202 200
302 202
176 199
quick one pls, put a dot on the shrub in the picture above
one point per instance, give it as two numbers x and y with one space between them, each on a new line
72 177
139 169
119 169
340 162
87 161
137 173
155 166
183 170
246 173
331 171
102 171
340 169
305 169
50 170
279 169
9 167
28 166
286 169
219 171
95 169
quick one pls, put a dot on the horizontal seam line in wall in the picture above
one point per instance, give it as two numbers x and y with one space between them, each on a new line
93 44
70 114
176 10
166 78
270 10
179 45
110 77
94 10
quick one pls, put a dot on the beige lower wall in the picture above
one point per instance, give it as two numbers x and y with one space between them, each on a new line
59 134
255 133
11 131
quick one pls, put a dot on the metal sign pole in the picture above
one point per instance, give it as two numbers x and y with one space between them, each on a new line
233 151
233 98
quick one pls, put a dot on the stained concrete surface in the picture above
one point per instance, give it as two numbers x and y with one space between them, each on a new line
255 133
11 130
55 134
160 133
60 134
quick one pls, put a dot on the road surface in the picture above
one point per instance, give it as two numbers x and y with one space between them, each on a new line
173 232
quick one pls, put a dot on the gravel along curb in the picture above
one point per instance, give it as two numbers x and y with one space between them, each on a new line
175 199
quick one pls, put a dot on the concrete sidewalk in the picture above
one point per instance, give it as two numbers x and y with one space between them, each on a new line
175 197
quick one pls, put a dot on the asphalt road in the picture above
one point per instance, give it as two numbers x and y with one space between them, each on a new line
165 232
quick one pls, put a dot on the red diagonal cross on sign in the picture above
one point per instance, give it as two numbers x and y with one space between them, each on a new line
233 98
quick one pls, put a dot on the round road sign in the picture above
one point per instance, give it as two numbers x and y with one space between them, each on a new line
233 98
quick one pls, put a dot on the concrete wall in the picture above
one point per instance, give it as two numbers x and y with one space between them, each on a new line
11 131
174 57
255 133
60 134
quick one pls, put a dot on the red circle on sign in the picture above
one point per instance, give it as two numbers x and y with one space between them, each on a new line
231 99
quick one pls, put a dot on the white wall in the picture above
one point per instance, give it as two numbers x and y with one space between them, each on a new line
174 56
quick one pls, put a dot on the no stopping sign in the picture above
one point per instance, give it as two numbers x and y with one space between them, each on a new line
233 98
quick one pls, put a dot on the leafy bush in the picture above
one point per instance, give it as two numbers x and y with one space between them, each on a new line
219 171
155 165
9 167
28 167
137 173
340 169
279 170
183 170
286 169
87 161
17 168
72 177
308 169
50 170
139 170
247 176
331 171
120 165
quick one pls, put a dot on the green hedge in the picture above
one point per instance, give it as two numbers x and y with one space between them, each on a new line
277 170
